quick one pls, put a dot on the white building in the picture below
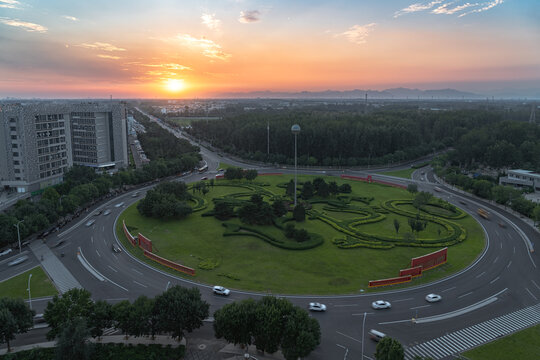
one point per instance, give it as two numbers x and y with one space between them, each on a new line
522 178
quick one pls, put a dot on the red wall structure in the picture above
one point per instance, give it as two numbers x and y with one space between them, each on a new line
128 234
369 179
391 281
169 263
414 271
432 260
145 243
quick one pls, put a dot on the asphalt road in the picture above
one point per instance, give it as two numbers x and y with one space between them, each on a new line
504 278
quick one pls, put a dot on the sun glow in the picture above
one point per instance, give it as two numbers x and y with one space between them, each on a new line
175 85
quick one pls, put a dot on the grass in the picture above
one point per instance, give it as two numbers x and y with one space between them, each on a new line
224 166
187 120
405 173
523 345
250 263
40 285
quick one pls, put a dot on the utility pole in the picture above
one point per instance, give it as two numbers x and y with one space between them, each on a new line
295 130
268 138
19 234
29 293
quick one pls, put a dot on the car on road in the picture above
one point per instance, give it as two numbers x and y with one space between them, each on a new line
220 170
204 178
433 298
120 204
39 318
135 194
18 260
90 222
97 213
381 304
58 243
106 212
5 252
220 290
116 248
315 306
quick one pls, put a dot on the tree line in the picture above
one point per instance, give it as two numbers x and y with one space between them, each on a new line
341 138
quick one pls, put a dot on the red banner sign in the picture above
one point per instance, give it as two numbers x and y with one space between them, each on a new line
169 263
145 243
128 234
392 281
430 260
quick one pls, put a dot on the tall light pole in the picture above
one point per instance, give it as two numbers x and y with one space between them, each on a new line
18 233
295 130
29 294
363 339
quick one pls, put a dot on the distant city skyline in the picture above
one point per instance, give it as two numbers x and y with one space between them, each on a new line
187 49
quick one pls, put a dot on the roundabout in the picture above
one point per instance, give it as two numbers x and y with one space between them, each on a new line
497 294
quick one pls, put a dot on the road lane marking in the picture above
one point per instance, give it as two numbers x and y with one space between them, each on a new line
501 245
492 281
349 337
514 249
346 305
103 228
477 276
452 288
530 293
403 299
105 242
92 239
467 294
98 253
113 269
362 314
138 283
93 271
497 258
138 272
535 284
510 263
419 307
346 351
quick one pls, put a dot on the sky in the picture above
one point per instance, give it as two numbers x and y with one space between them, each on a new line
204 48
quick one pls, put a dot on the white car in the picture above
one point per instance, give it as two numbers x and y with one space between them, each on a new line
90 222
314 306
106 212
433 298
381 304
220 290
119 204
5 252
18 260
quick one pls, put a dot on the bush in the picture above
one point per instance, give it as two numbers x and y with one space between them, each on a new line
299 213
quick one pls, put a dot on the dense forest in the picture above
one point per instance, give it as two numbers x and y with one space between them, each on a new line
340 138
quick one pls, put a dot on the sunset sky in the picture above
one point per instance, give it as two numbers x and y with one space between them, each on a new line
186 49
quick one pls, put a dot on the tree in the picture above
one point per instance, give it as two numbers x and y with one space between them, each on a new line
122 316
141 316
345 188
101 318
482 188
15 318
396 225
307 190
301 334
536 214
412 188
420 199
235 322
299 213
278 207
389 349
73 303
181 309
333 188
290 189
301 235
72 342
268 328
223 210
251 174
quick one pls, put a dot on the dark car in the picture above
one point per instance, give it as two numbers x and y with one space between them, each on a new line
116 248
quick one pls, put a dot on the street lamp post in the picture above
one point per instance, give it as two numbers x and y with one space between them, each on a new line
295 130
363 339
18 233
29 293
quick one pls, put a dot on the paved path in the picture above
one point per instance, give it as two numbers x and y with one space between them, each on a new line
59 274
476 335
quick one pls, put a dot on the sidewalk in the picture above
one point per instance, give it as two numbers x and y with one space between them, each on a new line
59 274
116 339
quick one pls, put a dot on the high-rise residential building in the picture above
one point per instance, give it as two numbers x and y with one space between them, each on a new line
39 141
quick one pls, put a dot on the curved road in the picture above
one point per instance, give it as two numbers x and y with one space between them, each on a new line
505 278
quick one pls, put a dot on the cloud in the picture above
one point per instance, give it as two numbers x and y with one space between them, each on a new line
249 16
101 46
449 7
209 48
72 18
485 6
211 21
111 57
28 26
358 33
9 4
417 7
170 66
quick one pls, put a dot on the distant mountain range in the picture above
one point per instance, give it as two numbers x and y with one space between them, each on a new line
396 93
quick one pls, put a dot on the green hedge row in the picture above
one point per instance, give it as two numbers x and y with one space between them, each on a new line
100 351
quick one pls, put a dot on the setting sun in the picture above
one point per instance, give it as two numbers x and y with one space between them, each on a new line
175 85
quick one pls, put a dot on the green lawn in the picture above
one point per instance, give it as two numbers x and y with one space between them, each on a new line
405 173
523 345
40 285
247 262
224 166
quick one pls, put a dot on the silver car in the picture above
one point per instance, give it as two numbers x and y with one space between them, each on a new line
433 298
18 260
90 222
315 306
381 304
220 290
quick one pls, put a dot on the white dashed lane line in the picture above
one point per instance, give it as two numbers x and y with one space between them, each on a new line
467 294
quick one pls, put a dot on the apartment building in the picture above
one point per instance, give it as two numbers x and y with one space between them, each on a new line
522 178
40 141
